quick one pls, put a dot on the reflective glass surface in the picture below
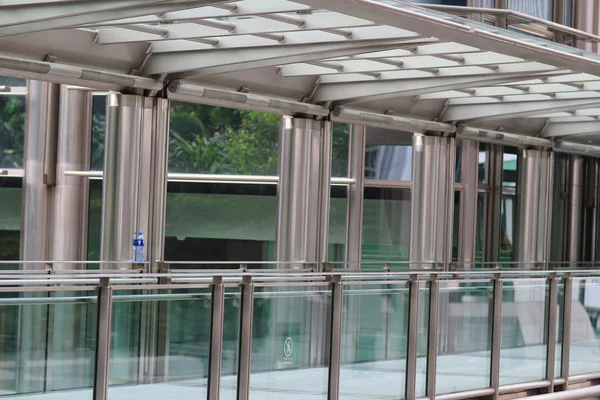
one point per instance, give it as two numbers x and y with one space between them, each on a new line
523 350
386 225
374 341
537 8
12 130
98 131
217 140
465 336
46 343
388 155
585 317
289 326
220 222
10 218
337 223
507 227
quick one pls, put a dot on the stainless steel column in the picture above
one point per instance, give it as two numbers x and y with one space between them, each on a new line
41 127
590 210
303 191
494 209
535 196
356 171
432 199
120 194
575 209
69 219
153 178
468 211
69 234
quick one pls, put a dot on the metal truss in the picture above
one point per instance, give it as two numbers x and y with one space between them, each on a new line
372 56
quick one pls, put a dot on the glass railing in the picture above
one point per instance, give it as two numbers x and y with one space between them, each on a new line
289 334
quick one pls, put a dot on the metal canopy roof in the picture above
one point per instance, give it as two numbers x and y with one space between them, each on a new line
383 62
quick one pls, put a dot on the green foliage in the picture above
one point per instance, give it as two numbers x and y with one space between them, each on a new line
218 140
12 131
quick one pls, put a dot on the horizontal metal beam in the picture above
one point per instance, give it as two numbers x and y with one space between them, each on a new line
191 63
562 129
388 121
378 89
512 109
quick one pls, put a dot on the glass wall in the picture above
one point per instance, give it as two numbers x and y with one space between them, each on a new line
537 8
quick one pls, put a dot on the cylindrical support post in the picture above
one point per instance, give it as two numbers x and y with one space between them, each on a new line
41 126
216 339
71 194
468 210
590 210
432 342
432 199
103 340
153 178
412 339
494 203
496 335
566 330
303 190
120 192
356 171
245 349
335 345
575 209
552 318
535 192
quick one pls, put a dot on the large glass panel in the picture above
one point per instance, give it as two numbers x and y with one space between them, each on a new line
98 131
218 140
538 8
585 318
523 349
6 81
231 335
483 163
465 339
188 333
422 340
47 343
507 227
456 225
337 223
388 155
125 340
509 167
94 221
340 143
10 218
481 228
220 222
12 130
289 346
386 225
374 341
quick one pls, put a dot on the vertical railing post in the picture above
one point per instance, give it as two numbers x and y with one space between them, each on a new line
413 338
335 348
103 340
432 340
566 330
245 349
551 327
216 338
496 334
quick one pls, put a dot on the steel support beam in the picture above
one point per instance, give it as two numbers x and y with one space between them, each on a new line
385 88
468 202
